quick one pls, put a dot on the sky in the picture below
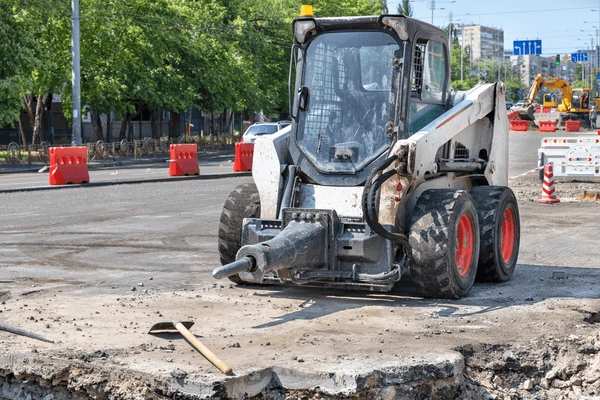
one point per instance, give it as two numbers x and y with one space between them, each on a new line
559 24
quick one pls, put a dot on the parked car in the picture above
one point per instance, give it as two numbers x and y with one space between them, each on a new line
283 124
509 105
263 128
517 106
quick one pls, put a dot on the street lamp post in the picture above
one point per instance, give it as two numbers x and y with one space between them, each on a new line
597 48
431 6
585 78
450 30
591 62
76 72
462 52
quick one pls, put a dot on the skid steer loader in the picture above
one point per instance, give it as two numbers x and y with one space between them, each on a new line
384 172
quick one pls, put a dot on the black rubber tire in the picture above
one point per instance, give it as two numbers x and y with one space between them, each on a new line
492 203
243 202
433 238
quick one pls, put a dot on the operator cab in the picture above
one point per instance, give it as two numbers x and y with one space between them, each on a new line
361 83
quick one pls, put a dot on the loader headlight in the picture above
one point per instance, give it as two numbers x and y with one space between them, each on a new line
398 24
302 27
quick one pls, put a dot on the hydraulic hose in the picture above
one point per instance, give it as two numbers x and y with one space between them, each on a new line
288 192
383 278
369 203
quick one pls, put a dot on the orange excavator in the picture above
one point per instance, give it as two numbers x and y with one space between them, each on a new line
575 102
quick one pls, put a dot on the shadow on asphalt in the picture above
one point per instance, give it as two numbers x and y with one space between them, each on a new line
531 284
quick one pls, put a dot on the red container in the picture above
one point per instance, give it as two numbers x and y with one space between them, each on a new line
184 160
572 126
518 125
513 115
68 165
547 126
244 152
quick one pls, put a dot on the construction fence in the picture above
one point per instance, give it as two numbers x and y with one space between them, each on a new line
15 154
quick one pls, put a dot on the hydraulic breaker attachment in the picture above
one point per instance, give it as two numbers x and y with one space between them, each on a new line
302 244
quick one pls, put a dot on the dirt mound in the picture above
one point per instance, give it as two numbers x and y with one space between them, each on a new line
549 368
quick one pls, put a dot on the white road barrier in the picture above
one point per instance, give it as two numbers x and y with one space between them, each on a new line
571 156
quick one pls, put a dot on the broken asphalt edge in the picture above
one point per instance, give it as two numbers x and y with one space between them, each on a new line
436 375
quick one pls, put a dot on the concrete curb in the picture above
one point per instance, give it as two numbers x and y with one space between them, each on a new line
131 181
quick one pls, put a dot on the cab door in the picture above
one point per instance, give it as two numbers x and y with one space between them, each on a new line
429 80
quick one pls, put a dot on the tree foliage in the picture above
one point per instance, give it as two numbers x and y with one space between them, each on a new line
166 54
17 57
405 8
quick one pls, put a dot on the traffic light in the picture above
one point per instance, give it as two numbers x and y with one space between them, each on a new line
557 59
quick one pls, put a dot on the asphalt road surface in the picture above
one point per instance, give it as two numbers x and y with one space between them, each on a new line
108 174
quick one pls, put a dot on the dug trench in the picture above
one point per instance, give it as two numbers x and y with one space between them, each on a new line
534 337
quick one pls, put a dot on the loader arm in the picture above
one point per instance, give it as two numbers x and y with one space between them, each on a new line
471 123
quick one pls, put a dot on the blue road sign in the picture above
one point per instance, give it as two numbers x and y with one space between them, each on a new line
552 95
579 57
523 47
597 76
519 91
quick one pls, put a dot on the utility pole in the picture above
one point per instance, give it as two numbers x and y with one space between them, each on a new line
76 74
462 52
471 53
432 5
591 62
450 30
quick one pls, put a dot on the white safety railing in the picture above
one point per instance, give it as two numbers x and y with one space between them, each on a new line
571 156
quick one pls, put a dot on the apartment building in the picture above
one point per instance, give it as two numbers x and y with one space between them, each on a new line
528 66
486 43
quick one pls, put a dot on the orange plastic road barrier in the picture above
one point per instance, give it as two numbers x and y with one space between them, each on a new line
546 110
513 115
547 126
572 126
518 125
537 108
184 160
244 152
68 165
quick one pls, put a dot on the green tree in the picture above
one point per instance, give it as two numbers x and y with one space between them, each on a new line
324 8
405 8
165 54
467 81
17 56
49 27
32 55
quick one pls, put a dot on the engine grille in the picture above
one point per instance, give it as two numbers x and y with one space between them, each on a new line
460 151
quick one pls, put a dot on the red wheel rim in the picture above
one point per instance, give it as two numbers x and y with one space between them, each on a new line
464 248
507 236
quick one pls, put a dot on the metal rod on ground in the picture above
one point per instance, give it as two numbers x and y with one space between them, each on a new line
183 328
22 332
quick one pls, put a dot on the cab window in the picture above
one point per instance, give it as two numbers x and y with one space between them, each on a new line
428 82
